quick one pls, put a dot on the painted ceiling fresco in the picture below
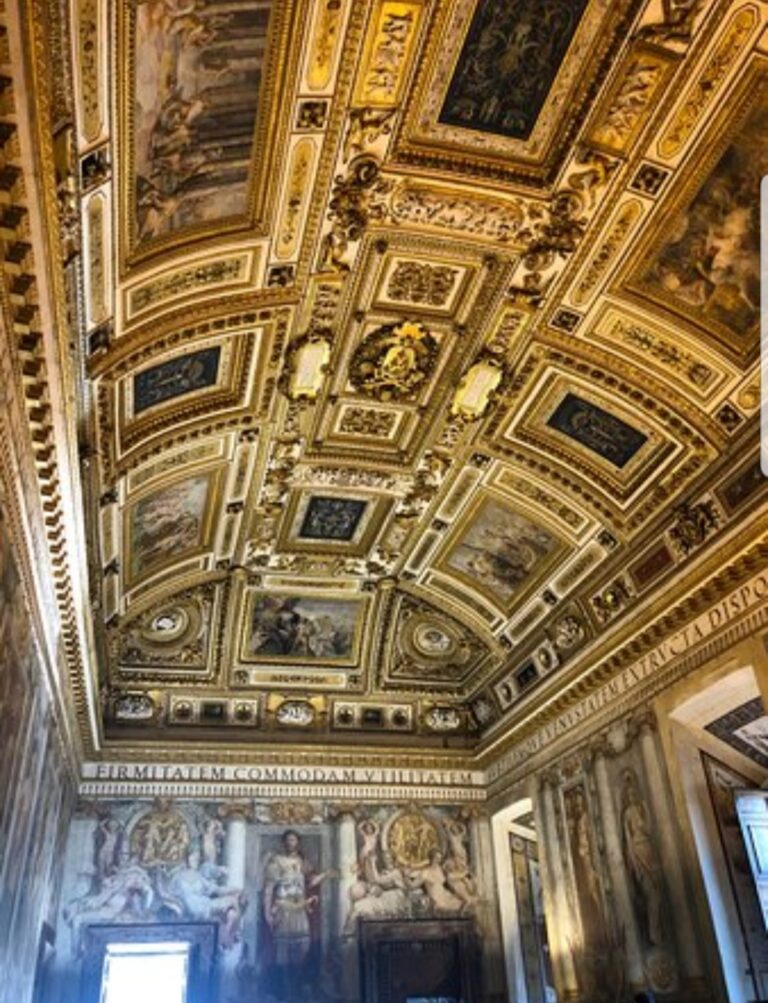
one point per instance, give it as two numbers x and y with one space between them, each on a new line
420 350
197 71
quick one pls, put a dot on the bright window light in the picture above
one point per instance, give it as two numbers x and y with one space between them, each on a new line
152 973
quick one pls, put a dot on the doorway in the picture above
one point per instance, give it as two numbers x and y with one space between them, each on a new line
518 862
154 963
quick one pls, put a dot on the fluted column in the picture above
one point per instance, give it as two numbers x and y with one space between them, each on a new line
616 866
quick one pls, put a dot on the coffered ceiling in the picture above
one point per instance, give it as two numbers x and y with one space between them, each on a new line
421 349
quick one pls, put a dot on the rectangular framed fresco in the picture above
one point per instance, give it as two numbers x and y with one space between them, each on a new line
332 519
168 524
177 377
703 261
500 552
742 486
600 432
596 429
302 629
321 521
216 375
196 105
508 63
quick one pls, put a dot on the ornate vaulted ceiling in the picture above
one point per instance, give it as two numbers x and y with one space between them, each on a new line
421 349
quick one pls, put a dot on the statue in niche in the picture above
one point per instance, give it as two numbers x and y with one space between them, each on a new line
290 911
641 857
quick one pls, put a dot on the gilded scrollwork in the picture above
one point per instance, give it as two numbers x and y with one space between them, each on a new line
390 42
738 32
420 282
326 37
350 211
678 18
366 421
509 345
366 126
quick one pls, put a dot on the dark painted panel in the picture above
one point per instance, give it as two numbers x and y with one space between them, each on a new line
510 59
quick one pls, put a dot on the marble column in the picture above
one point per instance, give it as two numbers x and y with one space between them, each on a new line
614 856
665 829
236 814
482 865
347 867
347 864
560 924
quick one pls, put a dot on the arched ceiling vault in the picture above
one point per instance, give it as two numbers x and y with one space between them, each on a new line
420 349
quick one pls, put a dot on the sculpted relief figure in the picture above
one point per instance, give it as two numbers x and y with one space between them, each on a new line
213 840
107 839
380 892
197 891
641 857
434 882
402 870
140 878
126 895
459 876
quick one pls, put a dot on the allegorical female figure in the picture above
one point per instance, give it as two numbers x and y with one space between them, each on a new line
641 856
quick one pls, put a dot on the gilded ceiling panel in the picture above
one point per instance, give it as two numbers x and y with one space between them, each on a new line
170 522
503 86
419 347
500 552
511 55
172 639
432 653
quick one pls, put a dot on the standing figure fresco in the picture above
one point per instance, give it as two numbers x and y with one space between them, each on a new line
586 878
291 912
